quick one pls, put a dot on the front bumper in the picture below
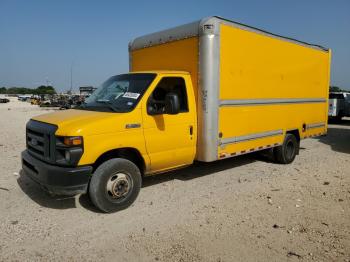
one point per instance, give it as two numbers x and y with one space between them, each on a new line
55 179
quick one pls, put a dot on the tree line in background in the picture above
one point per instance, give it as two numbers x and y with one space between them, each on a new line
337 89
40 90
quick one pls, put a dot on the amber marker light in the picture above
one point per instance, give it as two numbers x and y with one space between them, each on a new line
73 141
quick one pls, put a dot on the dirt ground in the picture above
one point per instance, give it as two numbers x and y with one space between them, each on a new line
240 209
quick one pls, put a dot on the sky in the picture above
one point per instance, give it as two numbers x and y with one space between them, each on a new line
41 41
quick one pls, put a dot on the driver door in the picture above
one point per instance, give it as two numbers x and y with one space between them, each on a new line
170 139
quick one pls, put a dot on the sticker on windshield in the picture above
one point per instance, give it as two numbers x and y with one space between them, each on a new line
131 95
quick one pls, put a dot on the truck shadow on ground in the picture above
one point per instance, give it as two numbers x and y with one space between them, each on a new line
199 169
34 192
343 122
337 138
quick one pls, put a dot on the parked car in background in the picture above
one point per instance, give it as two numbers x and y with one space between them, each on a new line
339 105
24 98
4 100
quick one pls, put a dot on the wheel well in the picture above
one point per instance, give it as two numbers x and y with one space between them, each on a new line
295 132
131 154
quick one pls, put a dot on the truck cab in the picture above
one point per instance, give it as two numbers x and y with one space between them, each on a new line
146 120
339 105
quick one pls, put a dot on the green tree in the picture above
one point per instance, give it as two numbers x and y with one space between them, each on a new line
17 90
334 89
40 90
3 90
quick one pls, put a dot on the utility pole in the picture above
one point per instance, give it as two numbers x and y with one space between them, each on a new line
71 78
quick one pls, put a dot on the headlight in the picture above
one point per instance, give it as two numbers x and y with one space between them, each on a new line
69 150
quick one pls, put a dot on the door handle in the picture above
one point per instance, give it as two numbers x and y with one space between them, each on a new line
191 130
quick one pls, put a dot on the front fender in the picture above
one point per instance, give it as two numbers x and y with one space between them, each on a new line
96 145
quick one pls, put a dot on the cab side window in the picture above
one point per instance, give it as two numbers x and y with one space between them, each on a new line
175 85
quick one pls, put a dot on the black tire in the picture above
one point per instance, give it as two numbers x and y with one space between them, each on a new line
338 118
111 180
286 153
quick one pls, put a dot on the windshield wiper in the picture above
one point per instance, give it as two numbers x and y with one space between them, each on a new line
109 104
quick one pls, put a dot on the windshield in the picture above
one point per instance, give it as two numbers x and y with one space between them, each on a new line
120 93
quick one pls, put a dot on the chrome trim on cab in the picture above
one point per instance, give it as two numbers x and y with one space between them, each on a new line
134 125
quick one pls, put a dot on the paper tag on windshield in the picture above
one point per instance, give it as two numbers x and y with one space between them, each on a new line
131 95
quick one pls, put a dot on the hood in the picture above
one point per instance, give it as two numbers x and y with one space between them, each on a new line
75 122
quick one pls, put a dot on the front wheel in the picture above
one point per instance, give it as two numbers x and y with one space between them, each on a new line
286 153
115 185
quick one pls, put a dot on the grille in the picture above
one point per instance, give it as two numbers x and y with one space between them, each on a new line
40 140
38 143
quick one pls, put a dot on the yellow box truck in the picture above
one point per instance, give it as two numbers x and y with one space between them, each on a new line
203 91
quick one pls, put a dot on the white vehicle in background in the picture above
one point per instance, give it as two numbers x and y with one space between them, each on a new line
24 98
339 105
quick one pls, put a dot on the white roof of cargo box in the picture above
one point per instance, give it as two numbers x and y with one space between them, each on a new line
198 27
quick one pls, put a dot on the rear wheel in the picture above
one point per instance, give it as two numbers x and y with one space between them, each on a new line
115 185
286 153
338 118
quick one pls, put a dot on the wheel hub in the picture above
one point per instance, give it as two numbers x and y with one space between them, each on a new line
118 185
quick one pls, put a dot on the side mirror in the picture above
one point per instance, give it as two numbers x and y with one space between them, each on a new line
153 109
172 104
